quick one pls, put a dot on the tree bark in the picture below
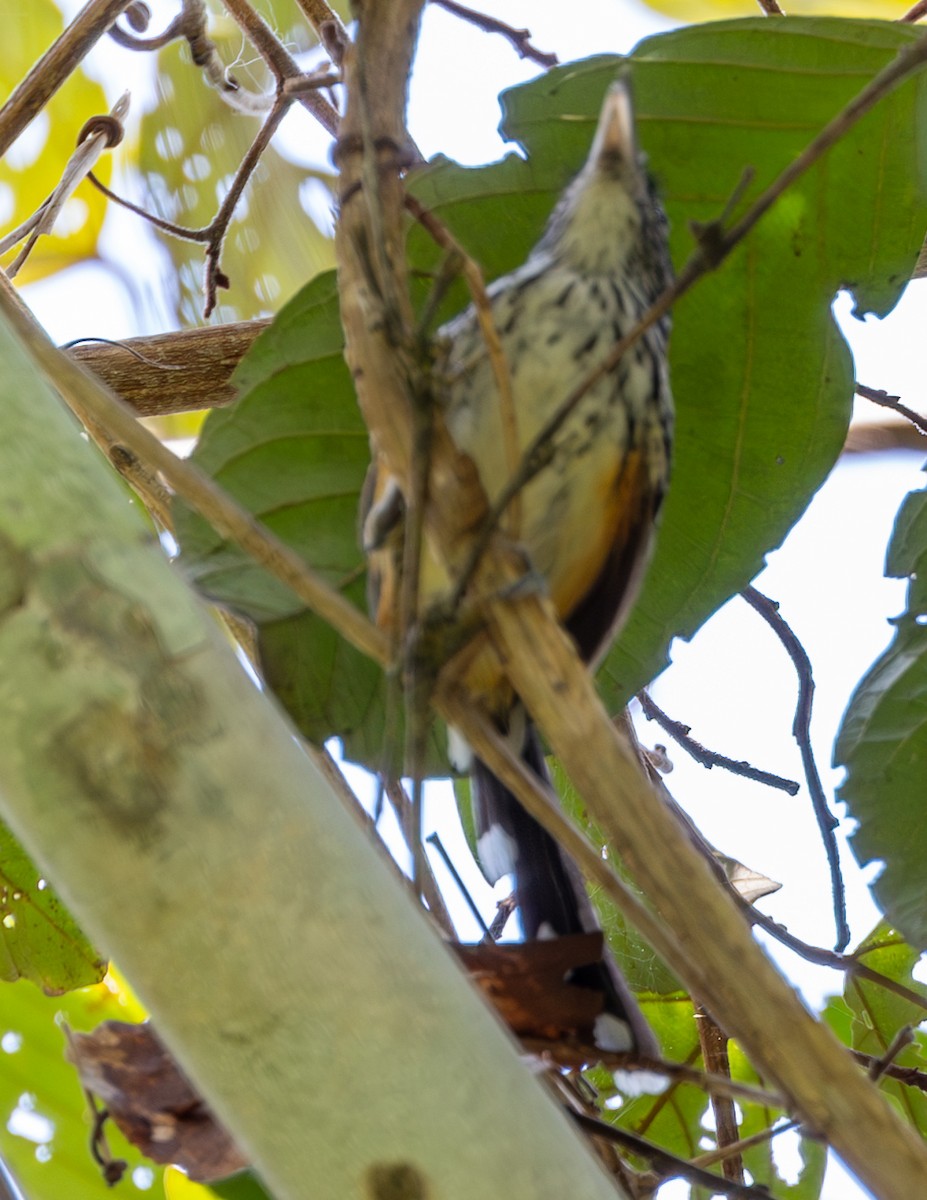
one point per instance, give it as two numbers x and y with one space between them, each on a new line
172 372
169 802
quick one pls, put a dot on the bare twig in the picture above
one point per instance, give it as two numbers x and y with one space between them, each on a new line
680 734
903 1038
214 233
848 963
668 1165
519 38
884 400
713 1042
715 243
771 8
914 14
9 1189
281 63
801 731
747 1143
909 1076
218 227
434 840
54 67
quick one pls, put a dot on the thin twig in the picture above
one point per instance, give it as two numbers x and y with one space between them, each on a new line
714 245
680 734
9 1189
282 65
55 66
747 1143
214 233
771 8
519 38
434 840
801 731
218 227
902 1039
884 400
848 963
668 1165
914 14
909 1076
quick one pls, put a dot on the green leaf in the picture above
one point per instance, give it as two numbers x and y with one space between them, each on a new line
294 451
643 970
879 1014
674 1119
44 1121
39 939
760 1160
759 426
882 742
33 167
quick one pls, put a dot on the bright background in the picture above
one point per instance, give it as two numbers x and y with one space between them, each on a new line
733 683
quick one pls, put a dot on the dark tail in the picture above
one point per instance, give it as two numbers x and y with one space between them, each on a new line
551 895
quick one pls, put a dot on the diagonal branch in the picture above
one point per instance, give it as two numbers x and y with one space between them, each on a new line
55 66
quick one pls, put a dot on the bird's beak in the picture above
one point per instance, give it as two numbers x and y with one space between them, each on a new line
614 143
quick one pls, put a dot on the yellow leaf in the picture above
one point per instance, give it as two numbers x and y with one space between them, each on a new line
35 162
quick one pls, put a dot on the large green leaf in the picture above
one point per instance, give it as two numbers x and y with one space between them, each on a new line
44 1120
762 378
39 939
883 742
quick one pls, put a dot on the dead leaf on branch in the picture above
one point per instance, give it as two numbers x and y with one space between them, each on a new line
155 1106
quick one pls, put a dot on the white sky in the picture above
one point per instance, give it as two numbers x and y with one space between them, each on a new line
733 683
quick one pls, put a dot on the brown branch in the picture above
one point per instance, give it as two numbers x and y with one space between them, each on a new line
55 66
877 437
213 234
848 963
281 64
771 8
171 372
914 14
519 38
909 1076
669 1166
801 731
218 227
681 734
713 1043
884 400
94 405
320 15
